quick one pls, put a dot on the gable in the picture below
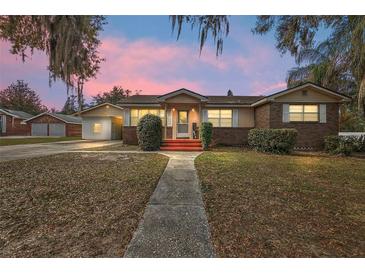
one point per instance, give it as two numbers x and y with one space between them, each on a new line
182 98
307 95
105 110
183 91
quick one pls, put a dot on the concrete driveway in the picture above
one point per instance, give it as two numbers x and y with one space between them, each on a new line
15 152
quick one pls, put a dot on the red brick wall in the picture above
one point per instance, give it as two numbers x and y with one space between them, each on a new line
262 116
15 127
310 135
130 135
230 136
73 130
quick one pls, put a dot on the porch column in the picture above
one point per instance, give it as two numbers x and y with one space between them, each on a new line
165 121
200 118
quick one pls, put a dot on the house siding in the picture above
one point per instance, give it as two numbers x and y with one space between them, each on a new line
262 116
14 127
234 136
310 135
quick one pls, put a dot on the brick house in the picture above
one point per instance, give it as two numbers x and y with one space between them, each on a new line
311 109
12 122
55 124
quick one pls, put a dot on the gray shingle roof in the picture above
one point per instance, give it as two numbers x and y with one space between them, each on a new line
68 118
18 113
237 100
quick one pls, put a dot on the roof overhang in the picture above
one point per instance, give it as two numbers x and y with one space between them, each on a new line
185 91
54 116
11 114
272 97
140 105
101 105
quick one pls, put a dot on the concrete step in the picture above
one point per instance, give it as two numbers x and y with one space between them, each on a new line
180 148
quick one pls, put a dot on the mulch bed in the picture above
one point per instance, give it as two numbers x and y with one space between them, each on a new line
74 205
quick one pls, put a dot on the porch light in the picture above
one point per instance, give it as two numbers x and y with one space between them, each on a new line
107 106
193 109
173 109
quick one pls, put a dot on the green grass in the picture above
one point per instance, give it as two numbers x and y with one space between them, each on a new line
74 205
261 205
36 140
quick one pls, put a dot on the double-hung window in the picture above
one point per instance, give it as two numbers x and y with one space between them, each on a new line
220 117
137 114
303 113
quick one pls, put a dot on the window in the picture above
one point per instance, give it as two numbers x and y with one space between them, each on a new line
303 113
220 117
137 114
97 128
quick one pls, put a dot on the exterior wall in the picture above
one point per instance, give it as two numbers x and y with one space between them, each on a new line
246 117
233 136
116 128
73 130
262 116
46 119
130 135
87 128
307 95
310 134
193 117
14 127
104 111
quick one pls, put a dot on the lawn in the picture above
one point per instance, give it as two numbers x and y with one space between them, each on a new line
74 205
35 140
261 205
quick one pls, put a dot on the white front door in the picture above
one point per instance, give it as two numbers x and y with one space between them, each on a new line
182 126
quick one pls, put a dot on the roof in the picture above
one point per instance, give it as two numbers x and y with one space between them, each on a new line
16 113
69 119
100 105
154 99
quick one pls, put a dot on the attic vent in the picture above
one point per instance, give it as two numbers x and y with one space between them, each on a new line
304 93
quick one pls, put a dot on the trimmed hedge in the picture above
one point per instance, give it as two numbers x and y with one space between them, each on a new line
344 145
206 134
279 141
149 132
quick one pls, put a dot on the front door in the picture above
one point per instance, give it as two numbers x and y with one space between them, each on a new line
182 124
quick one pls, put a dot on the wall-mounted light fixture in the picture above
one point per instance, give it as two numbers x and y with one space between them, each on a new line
193 109
173 109
107 106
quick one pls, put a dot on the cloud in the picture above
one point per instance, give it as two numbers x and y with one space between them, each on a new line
264 88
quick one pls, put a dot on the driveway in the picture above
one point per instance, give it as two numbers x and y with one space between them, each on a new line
15 152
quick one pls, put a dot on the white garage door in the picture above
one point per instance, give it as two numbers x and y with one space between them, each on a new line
39 129
57 129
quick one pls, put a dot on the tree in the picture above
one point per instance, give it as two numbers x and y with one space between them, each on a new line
216 26
229 93
70 42
70 105
18 96
114 96
296 34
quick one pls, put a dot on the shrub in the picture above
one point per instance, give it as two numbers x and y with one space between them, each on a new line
344 145
279 141
206 134
149 132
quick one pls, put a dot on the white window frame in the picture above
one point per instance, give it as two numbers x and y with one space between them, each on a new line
160 111
220 117
303 113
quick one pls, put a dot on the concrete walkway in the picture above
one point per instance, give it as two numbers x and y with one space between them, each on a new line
174 223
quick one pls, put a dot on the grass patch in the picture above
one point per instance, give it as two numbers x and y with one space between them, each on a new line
261 205
35 140
74 205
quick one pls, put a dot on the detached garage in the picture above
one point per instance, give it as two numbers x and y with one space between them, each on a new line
54 124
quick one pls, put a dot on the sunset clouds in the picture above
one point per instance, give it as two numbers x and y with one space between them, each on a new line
247 66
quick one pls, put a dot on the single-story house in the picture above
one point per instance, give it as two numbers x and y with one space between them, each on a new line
55 124
311 109
12 122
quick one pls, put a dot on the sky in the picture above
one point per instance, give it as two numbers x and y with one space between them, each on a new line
142 53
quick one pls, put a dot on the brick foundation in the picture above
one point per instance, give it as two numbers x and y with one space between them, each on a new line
233 136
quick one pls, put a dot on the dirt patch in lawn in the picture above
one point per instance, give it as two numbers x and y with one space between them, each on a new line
74 205
261 205
117 147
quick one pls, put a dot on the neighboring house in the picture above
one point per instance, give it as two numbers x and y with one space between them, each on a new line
54 124
12 122
309 108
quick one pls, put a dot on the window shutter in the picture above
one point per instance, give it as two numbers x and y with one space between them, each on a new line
285 113
3 123
205 115
322 113
235 117
127 117
169 118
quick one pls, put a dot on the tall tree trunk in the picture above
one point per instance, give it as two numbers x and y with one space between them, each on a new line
80 97
361 97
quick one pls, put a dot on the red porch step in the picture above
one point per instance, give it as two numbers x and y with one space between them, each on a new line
181 145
